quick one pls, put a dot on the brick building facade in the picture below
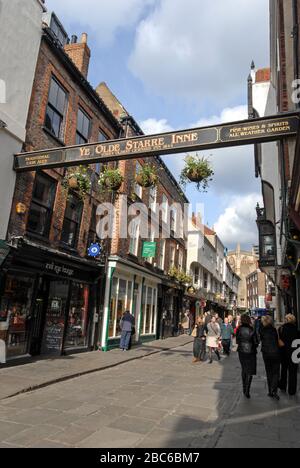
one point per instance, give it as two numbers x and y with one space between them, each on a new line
54 298
148 277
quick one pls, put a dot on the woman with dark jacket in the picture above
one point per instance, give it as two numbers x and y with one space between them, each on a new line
288 333
271 354
247 348
200 333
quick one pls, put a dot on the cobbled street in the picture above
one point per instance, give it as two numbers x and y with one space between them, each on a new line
161 400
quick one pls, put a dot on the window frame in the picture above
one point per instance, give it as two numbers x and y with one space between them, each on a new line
71 221
62 116
36 202
78 133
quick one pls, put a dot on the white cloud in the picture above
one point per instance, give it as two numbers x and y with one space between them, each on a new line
237 223
153 126
104 18
201 49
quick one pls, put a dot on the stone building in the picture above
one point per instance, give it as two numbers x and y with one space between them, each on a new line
256 290
243 263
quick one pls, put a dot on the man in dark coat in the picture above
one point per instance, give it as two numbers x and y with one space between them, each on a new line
288 333
127 325
271 354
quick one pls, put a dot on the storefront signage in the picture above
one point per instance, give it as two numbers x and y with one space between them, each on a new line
149 249
59 270
239 133
94 250
4 251
53 336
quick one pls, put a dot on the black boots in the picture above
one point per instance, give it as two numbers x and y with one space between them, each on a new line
247 381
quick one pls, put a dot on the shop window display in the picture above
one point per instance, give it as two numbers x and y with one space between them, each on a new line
121 300
78 320
15 314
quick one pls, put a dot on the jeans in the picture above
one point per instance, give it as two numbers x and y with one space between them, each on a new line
125 340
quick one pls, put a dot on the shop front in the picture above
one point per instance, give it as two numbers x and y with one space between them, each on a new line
47 302
171 310
129 287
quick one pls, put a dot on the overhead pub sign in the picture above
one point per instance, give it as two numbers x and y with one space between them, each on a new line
244 132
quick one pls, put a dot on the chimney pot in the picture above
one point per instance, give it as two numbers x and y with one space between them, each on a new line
84 38
74 39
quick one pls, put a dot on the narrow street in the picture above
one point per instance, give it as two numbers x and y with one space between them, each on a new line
161 400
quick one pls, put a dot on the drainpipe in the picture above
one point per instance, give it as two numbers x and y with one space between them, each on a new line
295 36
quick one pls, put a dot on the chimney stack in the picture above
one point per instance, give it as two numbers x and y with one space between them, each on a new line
79 53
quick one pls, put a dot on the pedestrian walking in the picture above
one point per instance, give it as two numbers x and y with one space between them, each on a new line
213 339
226 334
288 333
200 333
247 349
127 328
271 354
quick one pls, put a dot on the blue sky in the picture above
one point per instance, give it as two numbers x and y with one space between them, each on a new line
177 64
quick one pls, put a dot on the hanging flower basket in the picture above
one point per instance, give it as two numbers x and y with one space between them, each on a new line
180 276
78 180
197 170
73 183
147 177
111 180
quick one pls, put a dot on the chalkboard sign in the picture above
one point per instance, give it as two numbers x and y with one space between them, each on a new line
53 336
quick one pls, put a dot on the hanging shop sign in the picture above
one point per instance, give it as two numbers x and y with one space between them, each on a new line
244 132
149 249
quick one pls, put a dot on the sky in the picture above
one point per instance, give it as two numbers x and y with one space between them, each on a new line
178 64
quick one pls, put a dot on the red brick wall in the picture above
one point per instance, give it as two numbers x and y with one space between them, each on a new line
37 138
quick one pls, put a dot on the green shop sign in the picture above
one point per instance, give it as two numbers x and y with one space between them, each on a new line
4 251
149 249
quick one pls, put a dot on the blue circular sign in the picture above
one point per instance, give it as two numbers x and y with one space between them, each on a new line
94 250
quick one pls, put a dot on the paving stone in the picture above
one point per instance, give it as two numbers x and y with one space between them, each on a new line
132 424
27 437
111 438
8 429
73 435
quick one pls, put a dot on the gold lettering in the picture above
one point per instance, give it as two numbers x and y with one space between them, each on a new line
85 151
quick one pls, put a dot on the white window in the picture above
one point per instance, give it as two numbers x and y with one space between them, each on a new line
165 209
172 256
138 190
134 237
173 221
149 310
196 275
180 260
162 254
153 198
